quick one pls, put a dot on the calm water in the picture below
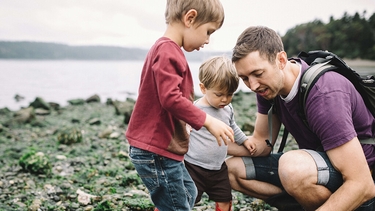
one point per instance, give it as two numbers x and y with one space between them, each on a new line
60 81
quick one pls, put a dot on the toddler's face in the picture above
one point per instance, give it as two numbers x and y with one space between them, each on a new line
218 98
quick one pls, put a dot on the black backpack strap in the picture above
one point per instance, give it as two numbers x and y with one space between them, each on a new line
313 57
283 140
308 79
367 141
285 134
269 114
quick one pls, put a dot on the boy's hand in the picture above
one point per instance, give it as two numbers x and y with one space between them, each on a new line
219 129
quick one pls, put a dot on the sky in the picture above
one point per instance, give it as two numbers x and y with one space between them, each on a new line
138 23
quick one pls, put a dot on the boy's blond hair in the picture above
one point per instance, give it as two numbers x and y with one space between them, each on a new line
207 11
219 72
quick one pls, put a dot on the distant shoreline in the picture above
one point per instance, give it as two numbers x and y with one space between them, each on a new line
350 62
360 63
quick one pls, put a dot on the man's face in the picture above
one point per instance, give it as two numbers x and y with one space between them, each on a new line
260 75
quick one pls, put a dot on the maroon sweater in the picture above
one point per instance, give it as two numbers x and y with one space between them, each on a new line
164 104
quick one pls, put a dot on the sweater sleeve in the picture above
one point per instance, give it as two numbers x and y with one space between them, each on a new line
239 135
174 86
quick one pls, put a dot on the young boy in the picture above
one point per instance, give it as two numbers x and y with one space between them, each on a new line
205 160
157 129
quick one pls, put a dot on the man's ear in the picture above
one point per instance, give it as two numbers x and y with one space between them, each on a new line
189 17
281 59
203 88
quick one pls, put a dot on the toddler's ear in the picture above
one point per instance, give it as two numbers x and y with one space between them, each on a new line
203 88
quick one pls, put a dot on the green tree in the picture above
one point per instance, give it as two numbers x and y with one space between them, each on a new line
348 37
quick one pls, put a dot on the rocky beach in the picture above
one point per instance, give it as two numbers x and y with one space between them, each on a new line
76 157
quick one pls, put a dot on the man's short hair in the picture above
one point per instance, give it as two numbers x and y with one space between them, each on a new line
258 38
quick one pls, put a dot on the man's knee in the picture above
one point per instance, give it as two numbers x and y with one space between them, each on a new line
236 169
234 165
297 167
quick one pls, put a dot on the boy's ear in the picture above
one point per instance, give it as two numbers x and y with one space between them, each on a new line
189 17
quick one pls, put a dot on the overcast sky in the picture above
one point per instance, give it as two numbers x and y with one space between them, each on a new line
138 23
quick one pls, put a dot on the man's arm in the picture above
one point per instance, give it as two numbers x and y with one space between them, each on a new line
358 186
259 137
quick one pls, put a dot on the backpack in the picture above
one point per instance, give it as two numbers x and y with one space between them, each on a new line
321 62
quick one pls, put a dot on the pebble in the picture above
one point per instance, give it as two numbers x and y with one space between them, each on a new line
61 157
89 208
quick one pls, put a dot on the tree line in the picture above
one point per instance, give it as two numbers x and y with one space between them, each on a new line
349 37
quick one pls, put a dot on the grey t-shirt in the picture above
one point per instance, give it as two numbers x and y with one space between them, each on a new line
204 150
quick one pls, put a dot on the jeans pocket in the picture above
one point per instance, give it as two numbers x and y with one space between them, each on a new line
144 163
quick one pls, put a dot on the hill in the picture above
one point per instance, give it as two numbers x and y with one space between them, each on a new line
57 51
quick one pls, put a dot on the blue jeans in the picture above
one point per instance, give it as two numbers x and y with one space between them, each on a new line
168 181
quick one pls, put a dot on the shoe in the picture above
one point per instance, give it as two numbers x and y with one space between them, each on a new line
284 202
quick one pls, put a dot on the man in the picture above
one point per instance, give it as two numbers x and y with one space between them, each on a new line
331 170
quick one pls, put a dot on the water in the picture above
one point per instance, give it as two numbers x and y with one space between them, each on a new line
63 80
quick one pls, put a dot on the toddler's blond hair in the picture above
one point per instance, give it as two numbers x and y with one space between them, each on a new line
219 72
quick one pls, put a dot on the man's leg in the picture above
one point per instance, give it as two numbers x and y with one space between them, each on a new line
258 177
299 176
238 176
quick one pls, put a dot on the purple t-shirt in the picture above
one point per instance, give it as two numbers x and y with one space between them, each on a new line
336 114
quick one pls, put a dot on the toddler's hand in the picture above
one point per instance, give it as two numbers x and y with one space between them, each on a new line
250 145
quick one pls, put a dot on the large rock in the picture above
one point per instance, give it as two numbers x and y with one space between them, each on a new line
123 107
54 105
93 99
78 101
40 103
24 115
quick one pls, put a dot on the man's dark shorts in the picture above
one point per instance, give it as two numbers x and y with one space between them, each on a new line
265 169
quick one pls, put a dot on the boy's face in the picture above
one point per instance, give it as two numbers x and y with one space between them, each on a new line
196 37
215 97
260 75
